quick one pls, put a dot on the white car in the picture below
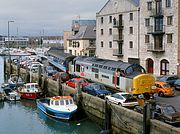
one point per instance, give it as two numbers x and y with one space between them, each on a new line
123 99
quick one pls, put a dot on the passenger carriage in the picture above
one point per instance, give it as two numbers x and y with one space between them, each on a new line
115 74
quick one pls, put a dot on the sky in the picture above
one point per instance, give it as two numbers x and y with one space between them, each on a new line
44 17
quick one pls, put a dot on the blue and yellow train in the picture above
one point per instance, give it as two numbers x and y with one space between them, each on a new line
118 75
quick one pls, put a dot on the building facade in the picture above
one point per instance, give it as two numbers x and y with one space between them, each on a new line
117 31
159 34
143 31
83 43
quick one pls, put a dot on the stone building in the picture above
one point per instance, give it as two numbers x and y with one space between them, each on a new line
160 29
141 31
117 31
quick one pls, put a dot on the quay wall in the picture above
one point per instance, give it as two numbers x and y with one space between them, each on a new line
123 121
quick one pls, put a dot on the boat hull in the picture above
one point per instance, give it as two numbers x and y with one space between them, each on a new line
54 113
28 95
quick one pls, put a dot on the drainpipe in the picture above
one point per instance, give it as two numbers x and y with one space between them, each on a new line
139 34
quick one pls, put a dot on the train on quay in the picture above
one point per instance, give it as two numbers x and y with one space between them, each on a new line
118 75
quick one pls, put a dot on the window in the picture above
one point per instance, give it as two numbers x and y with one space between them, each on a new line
70 43
67 102
101 43
147 22
70 51
62 102
101 20
131 30
110 19
164 67
146 38
130 44
149 5
131 16
77 68
101 31
169 38
169 20
71 101
57 103
168 3
110 44
110 31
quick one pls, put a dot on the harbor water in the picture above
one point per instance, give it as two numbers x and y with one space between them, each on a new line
23 117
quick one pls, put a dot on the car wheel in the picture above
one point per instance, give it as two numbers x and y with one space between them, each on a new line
120 104
161 94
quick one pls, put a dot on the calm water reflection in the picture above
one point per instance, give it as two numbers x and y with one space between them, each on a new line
23 117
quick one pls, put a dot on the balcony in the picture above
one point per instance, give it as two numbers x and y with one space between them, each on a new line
118 24
117 52
155 13
156 30
152 48
118 38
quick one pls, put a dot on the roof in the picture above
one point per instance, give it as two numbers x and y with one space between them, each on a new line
59 53
136 2
104 62
85 32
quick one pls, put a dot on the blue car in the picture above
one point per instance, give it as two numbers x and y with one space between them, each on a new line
96 90
168 79
50 71
176 84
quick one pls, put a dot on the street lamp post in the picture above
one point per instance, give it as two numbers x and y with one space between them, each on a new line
10 70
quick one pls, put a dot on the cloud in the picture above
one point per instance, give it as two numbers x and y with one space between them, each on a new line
54 16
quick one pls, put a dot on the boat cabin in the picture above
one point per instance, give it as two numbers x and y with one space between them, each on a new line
61 101
30 87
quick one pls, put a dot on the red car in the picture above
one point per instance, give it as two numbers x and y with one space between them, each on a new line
72 82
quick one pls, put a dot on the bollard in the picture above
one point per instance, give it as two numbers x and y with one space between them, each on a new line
60 85
146 118
39 76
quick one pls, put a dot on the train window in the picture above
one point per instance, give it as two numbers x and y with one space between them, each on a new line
129 71
113 69
109 68
96 76
100 66
95 70
96 65
87 67
105 76
105 67
92 64
77 68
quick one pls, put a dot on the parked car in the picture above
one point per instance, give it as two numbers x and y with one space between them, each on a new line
123 99
64 76
96 89
73 82
170 79
163 89
176 84
50 71
167 113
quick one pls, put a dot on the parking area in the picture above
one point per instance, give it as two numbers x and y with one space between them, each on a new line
171 100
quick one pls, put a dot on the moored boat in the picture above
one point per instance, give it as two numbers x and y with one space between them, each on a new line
11 95
15 81
30 91
59 107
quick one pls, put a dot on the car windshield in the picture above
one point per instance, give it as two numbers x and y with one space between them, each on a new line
99 87
80 81
166 85
127 96
169 110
